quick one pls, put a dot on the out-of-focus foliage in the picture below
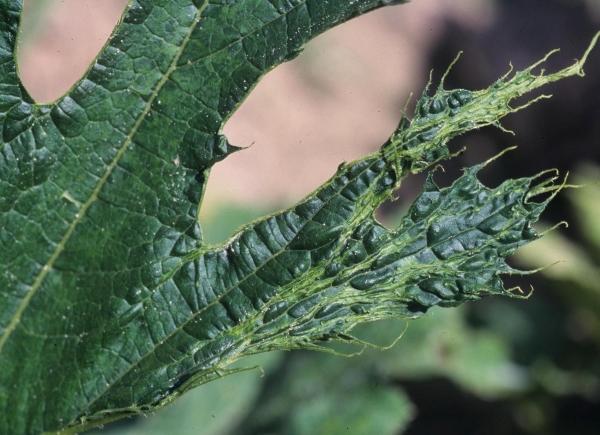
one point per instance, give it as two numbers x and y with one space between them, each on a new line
316 394
575 278
212 410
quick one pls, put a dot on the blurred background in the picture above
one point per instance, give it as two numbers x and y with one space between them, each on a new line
495 367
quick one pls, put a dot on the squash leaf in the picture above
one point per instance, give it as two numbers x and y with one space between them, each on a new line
112 305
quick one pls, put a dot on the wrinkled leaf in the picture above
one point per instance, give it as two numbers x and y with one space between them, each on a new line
111 305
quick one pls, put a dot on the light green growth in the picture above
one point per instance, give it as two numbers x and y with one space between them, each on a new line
449 113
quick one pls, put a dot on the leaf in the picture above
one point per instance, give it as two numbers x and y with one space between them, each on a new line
110 303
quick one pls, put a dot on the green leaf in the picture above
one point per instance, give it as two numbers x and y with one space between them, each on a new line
111 305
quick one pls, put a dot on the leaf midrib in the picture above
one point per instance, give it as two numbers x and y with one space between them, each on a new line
122 150
81 213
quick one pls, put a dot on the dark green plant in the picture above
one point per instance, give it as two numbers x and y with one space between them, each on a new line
111 305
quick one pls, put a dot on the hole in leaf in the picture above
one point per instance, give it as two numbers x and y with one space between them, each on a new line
59 39
391 212
338 101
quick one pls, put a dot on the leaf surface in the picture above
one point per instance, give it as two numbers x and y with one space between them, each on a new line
111 304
